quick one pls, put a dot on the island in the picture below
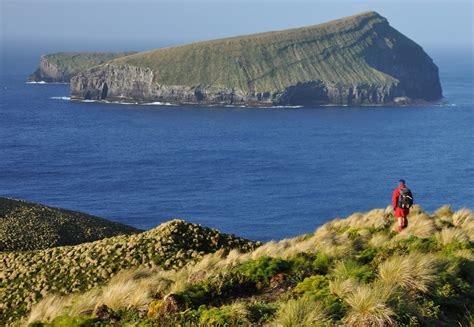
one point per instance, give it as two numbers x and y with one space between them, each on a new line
59 67
356 60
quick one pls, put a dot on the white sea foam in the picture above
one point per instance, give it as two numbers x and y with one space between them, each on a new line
291 107
157 103
61 98
44 82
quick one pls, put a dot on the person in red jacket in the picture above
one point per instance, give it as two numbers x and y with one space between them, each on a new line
401 214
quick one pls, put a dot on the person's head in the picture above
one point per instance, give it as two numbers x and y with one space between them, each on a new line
401 181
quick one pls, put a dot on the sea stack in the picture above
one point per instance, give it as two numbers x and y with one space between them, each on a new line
356 60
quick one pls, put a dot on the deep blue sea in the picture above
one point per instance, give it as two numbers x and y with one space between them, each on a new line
260 173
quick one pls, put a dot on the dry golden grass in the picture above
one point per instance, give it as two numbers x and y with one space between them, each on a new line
444 211
368 302
419 225
414 272
368 306
48 308
129 289
299 312
379 239
462 216
448 235
342 287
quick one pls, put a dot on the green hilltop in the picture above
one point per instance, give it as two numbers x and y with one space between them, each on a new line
271 61
29 226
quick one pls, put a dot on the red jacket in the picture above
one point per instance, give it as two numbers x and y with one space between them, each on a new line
399 212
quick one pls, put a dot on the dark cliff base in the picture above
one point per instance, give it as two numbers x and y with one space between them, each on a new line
400 102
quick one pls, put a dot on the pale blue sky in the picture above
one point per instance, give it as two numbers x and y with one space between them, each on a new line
148 24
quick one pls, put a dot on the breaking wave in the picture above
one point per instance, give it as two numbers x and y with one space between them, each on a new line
61 98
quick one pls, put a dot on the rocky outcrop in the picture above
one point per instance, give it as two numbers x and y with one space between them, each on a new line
49 72
359 60
60 67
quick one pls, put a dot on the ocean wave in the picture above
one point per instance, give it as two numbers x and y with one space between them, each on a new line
44 82
157 103
290 107
61 98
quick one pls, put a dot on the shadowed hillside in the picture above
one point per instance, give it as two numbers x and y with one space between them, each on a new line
28 226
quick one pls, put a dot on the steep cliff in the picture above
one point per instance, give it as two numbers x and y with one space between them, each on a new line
356 60
59 67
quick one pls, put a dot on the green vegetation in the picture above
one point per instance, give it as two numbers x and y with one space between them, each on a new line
28 276
354 272
59 67
271 61
30 226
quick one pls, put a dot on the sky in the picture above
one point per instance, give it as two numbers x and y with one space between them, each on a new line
152 23
30 28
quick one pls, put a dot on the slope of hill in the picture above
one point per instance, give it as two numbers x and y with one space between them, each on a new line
28 276
353 272
355 60
59 67
28 226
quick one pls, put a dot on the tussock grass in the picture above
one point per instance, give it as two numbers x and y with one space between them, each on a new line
379 239
368 306
32 275
448 235
48 309
419 225
462 216
300 312
444 211
342 287
415 272
369 275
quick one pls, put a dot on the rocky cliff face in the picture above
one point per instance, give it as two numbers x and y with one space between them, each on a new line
49 72
129 83
359 60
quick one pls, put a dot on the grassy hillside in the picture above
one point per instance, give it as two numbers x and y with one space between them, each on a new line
59 67
72 62
28 276
28 226
272 61
350 272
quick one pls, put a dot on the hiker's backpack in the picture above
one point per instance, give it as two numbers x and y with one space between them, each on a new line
405 199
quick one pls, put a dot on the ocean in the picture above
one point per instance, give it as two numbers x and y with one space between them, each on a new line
259 173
